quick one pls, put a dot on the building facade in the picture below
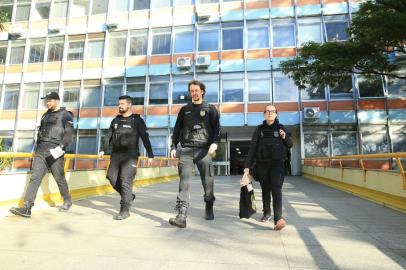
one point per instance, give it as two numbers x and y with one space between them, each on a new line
93 51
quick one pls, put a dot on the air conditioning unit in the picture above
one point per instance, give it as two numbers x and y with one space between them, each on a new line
202 60
54 29
203 15
183 62
311 112
15 33
112 23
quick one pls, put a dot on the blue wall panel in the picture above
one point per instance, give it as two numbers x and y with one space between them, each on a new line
308 10
282 12
335 8
105 122
397 116
232 16
337 117
163 69
372 116
258 64
87 123
254 14
154 121
136 71
232 119
232 65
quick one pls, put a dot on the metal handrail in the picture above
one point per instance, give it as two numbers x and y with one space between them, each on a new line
397 156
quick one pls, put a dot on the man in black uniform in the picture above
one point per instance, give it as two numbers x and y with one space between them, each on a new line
123 136
54 135
197 129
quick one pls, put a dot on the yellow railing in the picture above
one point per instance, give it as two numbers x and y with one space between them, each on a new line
330 161
142 161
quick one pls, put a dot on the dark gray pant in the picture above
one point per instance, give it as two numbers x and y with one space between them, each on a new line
121 174
189 156
40 166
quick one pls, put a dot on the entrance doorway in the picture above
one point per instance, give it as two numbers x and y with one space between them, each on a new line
238 154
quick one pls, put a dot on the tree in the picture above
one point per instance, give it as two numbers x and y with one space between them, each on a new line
4 17
377 33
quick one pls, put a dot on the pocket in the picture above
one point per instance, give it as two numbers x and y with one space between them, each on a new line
211 170
278 151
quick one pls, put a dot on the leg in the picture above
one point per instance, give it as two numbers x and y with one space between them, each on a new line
57 170
263 175
128 169
185 168
113 172
277 178
206 170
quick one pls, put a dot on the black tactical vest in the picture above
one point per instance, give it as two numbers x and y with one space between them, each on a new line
196 129
270 144
52 127
125 133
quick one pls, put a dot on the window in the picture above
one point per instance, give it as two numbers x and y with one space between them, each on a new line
7 7
138 43
161 3
47 88
180 91
344 143
17 52
343 90
118 6
23 11
374 139
184 41
396 87
76 48
41 11
136 90
31 96
59 9
309 30
3 52
370 88
159 145
141 4
232 36
258 36
316 144
10 100
6 140
284 88
283 35
87 143
55 49
208 40
336 27
112 91
99 6
117 44
91 97
95 49
183 2
313 92
80 8
208 1
161 41
259 87
398 138
158 93
70 97
233 88
212 87
25 141
37 50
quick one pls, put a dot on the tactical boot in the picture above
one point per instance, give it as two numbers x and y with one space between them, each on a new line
266 208
124 212
266 217
180 219
209 211
65 206
24 211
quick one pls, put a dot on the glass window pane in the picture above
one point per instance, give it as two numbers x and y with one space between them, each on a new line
259 90
161 43
314 92
22 12
8 9
233 91
137 93
76 50
284 88
336 31
95 49
159 145
55 50
100 6
30 98
91 97
232 39
370 88
3 53
25 145
398 138
183 2
344 144
374 139
283 35
258 38
316 145
158 93
80 8
71 98
184 42
37 52
343 90
42 11
208 40
11 97
180 93
161 3
309 32
139 44
87 145
59 9
17 55
111 94
212 90
118 6
117 45
141 4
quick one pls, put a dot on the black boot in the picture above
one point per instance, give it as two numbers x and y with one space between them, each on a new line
65 206
180 219
24 211
209 211
267 211
124 212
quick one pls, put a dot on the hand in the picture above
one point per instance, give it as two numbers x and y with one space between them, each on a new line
173 153
150 161
212 148
282 134
101 154
246 171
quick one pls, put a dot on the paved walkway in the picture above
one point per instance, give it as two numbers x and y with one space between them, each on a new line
327 229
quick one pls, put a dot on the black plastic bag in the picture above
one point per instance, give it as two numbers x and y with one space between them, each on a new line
247 203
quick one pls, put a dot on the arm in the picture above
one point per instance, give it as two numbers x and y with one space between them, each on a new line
287 141
107 138
69 130
142 130
252 150
215 123
177 129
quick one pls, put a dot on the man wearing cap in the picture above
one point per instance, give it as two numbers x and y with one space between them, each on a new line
123 136
54 135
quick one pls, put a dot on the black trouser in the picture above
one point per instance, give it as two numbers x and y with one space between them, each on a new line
188 157
271 176
41 163
121 174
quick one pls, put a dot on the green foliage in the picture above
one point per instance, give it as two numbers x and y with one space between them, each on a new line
4 162
4 17
377 30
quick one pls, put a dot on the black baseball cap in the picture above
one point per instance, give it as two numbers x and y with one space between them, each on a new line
51 95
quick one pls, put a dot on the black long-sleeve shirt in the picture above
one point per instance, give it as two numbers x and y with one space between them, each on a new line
214 119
